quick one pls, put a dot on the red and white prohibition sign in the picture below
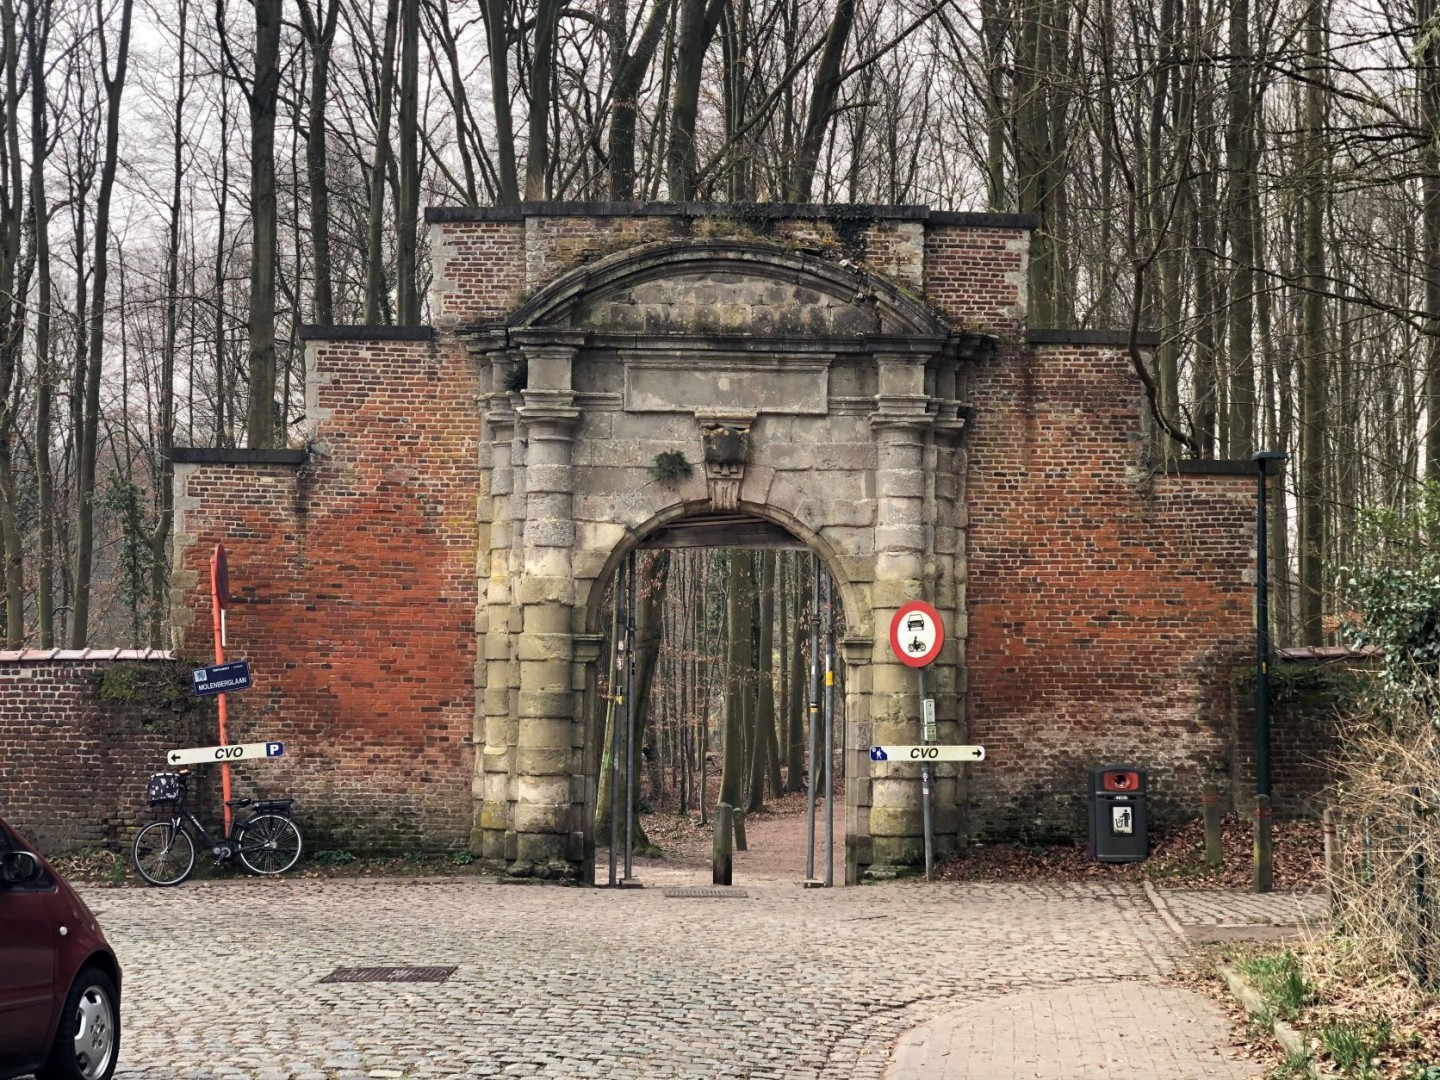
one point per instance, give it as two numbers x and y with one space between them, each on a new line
916 634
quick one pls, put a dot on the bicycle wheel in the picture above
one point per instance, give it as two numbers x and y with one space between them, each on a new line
268 844
164 854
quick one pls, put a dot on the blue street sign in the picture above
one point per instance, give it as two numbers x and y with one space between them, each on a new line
877 753
222 678
274 749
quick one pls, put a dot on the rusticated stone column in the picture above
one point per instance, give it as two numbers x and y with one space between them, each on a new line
494 764
900 424
546 754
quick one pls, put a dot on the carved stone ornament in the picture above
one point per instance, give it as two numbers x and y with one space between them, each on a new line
727 448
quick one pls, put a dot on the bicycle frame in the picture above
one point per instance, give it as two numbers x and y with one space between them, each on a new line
225 846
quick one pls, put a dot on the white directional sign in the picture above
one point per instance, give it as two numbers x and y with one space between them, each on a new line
200 755
927 753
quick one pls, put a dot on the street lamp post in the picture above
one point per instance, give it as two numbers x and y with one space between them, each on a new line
1262 628
1264 866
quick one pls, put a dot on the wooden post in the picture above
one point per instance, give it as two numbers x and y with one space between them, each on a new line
1210 810
1332 860
740 829
1264 858
720 870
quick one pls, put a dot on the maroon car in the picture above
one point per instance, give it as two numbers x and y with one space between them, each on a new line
59 982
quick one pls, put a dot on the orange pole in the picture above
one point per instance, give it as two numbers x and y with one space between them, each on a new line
219 620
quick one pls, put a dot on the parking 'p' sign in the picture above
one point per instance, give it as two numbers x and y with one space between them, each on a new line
916 634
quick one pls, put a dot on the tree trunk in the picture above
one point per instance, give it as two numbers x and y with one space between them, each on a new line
1314 421
407 208
262 429
1427 56
630 69
542 74
497 35
822 101
1239 168
375 245
159 538
90 431
697 27
15 270
762 756
44 392
737 667
320 36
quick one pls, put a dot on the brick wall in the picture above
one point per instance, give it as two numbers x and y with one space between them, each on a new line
478 268
1108 608
73 767
353 577
975 273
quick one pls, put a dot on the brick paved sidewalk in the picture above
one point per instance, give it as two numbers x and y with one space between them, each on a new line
1119 1030
1124 1030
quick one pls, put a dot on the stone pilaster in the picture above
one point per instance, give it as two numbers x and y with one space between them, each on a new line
496 758
900 425
546 755
856 654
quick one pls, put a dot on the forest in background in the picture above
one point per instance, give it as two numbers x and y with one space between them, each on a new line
183 184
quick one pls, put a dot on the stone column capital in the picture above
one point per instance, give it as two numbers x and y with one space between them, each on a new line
889 417
549 415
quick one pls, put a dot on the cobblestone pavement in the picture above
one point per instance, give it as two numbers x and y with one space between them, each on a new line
222 980
1199 907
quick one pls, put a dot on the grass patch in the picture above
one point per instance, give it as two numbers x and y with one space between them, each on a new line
1355 1047
1280 981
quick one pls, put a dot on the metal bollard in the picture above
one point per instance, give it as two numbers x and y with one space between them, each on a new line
1210 811
721 858
1332 862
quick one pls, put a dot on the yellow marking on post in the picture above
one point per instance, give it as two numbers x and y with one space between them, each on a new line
829 678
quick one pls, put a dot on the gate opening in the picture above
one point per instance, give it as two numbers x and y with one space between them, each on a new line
720 630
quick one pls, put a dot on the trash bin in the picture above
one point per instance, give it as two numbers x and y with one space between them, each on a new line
1118 831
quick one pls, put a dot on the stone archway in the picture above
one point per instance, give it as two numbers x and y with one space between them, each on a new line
694 526
836 395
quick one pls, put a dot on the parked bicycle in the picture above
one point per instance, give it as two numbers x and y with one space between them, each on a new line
266 841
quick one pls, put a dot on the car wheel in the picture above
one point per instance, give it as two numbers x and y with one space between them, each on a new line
87 1040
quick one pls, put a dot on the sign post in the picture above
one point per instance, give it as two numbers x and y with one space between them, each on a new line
220 597
916 636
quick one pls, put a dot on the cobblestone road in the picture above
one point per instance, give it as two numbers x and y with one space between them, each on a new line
222 980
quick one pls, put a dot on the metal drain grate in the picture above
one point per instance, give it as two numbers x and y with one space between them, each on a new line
733 894
389 974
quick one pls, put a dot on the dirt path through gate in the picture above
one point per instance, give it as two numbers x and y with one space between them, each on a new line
775 853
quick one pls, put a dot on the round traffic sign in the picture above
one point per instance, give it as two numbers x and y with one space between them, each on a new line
916 634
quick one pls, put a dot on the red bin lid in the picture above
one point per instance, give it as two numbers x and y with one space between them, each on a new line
1120 780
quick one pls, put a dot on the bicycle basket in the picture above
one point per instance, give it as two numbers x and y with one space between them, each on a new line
163 787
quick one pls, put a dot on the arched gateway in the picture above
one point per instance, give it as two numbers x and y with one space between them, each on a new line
424 580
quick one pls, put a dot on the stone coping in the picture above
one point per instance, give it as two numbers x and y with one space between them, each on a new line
60 656
1090 337
1300 654
1207 467
355 332
853 212
214 455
